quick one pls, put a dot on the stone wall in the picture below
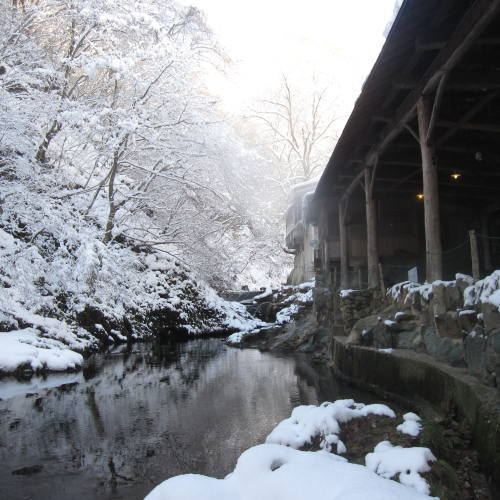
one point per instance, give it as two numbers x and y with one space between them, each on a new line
457 322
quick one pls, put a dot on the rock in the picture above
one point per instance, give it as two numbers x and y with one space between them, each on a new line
491 316
266 311
410 339
363 328
382 337
438 298
447 325
402 316
28 471
443 348
467 319
475 344
463 281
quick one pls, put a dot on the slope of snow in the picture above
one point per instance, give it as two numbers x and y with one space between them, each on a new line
63 290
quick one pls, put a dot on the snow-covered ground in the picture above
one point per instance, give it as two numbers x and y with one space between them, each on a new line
278 470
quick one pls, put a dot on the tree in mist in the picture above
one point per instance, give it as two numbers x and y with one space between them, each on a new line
299 125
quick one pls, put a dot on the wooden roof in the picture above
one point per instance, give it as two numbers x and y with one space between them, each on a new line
429 39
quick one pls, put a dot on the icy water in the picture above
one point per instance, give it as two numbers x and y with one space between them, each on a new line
136 416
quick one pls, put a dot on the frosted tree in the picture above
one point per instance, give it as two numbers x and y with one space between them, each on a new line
300 130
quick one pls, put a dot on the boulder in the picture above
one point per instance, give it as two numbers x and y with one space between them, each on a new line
475 347
402 316
447 325
491 316
362 331
411 339
445 349
467 320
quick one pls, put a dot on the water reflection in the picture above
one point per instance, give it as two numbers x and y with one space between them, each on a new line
140 414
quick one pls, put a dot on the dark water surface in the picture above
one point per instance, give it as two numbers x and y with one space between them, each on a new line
138 415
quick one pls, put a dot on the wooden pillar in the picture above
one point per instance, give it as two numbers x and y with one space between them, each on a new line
371 230
431 195
474 253
344 256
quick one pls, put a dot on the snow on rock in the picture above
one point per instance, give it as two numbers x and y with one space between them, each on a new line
289 301
388 461
309 421
272 472
411 288
286 314
486 290
410 425
26 348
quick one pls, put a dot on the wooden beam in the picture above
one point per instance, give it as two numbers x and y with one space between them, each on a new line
473 23
462 81
432 223
352 186
405 179
436 107
462 125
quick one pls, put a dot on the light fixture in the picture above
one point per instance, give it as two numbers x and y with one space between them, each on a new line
455 176
420 196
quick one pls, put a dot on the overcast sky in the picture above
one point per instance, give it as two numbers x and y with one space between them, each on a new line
336 40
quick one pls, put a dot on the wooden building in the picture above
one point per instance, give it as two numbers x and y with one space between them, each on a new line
301 234
418 163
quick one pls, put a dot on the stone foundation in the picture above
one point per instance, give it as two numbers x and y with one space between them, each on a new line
457 322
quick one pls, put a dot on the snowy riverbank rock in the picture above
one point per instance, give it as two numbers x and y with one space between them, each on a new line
276 470
284 312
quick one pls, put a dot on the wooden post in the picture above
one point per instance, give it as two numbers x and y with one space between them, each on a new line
432 220
474 253
486 244
382 282
344 262
360 277
371 230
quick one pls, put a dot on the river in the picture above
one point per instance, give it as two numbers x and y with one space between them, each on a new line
139 414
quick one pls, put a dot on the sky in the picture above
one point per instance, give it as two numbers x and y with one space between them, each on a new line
336 41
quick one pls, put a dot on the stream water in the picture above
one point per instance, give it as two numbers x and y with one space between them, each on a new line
140 414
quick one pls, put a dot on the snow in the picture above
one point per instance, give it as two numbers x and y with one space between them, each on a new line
410 425
308 422
266 293
346 293
466 312
387 350
388 461
486 291
273 471
26 347
389 322
286 314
